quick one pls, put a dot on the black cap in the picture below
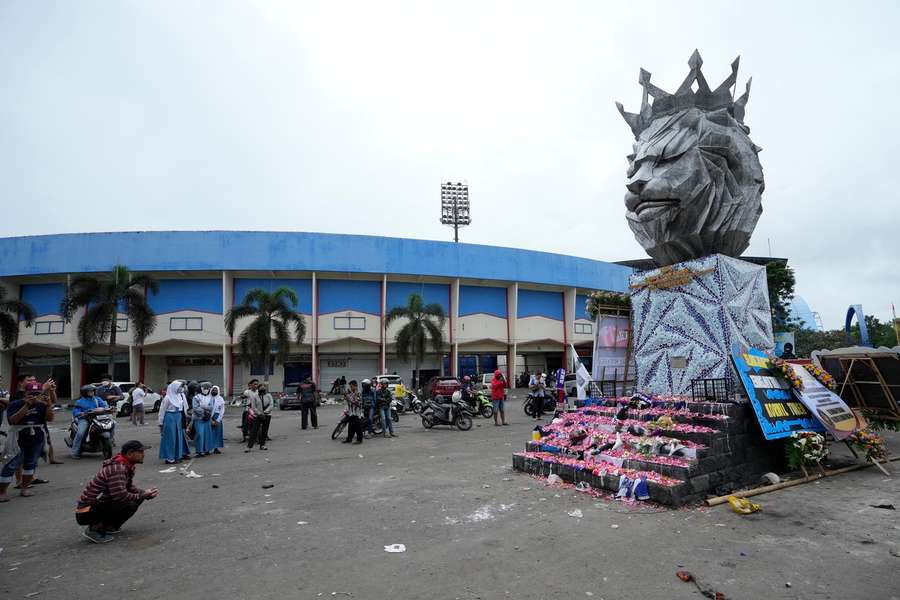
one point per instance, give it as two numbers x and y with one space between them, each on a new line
131 446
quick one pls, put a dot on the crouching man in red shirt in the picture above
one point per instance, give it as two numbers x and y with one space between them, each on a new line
110 498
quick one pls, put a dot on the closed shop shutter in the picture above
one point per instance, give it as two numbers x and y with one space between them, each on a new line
196 369
350 366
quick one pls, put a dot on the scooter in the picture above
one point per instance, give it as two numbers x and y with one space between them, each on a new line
481 404
455 412
407 402
377 427
529 403
98 437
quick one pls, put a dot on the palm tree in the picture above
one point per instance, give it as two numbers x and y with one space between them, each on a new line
102 299
10 313
424 322
274 314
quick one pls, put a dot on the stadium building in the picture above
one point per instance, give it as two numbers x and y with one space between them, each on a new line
507 308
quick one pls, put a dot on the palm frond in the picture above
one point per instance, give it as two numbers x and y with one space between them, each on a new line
237 313
82 291
9 329
282 338
146 282
398 312
142 317
287 293
403 340
94 325
21 309
256 296
435 311
436 334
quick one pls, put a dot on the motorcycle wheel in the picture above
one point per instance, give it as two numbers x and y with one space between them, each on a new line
427 422
106 445
337 430
395 416
464 422
377 427
126 410
528 409
156 406
417 407
487 411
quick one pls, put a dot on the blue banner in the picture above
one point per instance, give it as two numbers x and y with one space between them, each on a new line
778 412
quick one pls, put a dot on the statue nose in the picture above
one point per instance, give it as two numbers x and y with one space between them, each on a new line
636 186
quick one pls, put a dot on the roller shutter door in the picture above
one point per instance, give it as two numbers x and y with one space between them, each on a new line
352 367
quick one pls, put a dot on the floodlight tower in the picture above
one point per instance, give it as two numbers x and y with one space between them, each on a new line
455 206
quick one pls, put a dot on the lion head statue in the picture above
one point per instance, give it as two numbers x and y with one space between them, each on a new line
694 177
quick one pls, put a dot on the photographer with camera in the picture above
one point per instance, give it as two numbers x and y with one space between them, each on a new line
27 416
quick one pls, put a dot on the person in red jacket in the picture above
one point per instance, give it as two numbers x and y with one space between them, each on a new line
111 498
498 397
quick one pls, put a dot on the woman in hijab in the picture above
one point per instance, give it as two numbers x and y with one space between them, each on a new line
202 405
173 444
216 422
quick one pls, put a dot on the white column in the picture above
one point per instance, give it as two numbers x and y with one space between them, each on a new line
383 330
569 325
315 329
454 328
134 363
512 317
228 384
75 370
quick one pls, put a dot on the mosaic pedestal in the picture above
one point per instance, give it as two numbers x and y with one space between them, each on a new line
688 315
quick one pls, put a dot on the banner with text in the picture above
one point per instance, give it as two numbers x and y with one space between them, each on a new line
827 406
778 412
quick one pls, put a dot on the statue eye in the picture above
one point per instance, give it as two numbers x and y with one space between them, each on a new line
630 157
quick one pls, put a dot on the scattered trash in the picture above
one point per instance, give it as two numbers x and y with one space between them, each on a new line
485 486
787 584
192 475
742 506
169 470
267 486
583 486
884 506
507 479
360 455
576 513
770 478
302 522
613 526
32 594
269 501
706 592
215 487
395 548
553 479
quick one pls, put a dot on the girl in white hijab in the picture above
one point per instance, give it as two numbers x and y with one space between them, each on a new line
217 424
173 445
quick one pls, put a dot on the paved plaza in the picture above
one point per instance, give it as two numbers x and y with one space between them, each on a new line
472 528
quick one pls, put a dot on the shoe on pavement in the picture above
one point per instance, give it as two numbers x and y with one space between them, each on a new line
216 451
346 441
263 448
393 435
98 537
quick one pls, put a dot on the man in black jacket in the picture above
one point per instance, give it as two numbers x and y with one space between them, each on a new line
307 393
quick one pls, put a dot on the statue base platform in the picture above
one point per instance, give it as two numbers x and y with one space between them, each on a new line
687 316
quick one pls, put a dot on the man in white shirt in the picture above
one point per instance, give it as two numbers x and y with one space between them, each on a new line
137 403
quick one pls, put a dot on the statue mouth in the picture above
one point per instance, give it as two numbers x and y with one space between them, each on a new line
648 209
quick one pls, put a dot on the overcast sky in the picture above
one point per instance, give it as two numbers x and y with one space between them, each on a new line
345 117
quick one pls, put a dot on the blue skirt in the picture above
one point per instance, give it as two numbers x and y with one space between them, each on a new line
202 437
173 443
218 435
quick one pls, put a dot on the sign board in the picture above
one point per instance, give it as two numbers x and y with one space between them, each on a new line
827 406
778 412
610 347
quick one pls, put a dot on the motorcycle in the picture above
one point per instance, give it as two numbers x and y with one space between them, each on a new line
407 402
481 404
377 425
532 397
98 437
441 412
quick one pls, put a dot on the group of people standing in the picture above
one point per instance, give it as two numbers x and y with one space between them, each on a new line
365 403
184 410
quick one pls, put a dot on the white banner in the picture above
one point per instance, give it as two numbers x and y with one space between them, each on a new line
826 406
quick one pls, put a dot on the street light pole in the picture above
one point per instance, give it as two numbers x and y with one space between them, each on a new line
455 206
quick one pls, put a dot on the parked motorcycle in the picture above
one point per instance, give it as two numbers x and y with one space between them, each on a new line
98 437
407 402
455 412
481 404
529 403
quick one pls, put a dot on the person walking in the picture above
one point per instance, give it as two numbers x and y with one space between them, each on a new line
354 414
201 415
111 498
307 392
262 414
498 398
137 403
217 421
247 396
25 439
173 444
383 398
